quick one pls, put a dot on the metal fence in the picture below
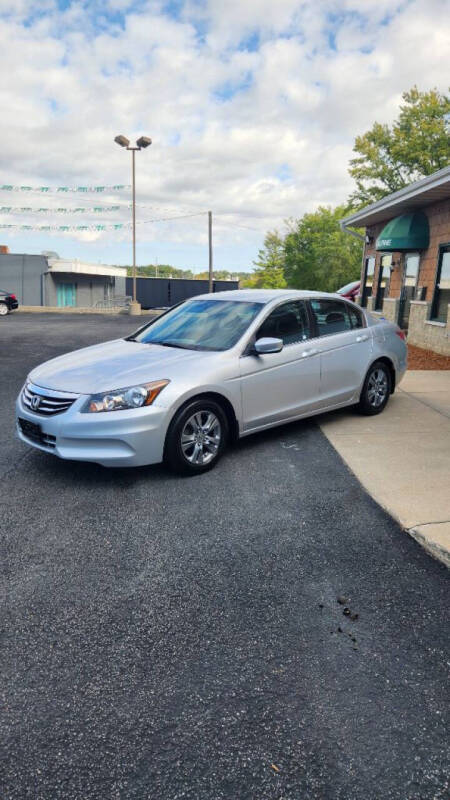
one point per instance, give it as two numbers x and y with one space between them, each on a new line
116 301
165 292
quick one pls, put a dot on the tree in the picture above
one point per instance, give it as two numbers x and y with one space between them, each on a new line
417 144
318 255
269 266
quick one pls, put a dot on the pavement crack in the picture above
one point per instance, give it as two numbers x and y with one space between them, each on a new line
424 403
423 524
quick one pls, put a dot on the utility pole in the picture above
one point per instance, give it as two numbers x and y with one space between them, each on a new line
210 262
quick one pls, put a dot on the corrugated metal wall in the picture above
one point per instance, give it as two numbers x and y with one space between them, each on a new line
21 275
163 292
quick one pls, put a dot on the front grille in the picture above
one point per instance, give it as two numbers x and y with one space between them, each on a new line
45 404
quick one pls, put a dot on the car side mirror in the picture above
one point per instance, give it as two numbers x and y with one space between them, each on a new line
268 345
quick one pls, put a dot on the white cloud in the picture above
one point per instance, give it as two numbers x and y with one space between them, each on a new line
252 106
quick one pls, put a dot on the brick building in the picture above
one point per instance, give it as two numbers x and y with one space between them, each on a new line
405 273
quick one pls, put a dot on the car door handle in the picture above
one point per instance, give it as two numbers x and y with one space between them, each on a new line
362 338
307 353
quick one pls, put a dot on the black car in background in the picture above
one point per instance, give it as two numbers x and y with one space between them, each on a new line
8 302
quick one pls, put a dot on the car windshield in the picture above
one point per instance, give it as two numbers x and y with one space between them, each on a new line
201 325
348 287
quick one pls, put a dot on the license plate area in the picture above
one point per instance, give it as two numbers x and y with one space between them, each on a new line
31 430
34 432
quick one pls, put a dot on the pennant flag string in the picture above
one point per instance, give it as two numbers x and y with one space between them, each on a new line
118 187
76 210
114 226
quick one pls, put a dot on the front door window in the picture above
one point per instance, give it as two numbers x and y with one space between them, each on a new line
289 322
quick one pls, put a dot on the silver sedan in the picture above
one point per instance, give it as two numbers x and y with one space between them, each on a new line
214 368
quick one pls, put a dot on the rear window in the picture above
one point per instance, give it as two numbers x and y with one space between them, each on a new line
348 287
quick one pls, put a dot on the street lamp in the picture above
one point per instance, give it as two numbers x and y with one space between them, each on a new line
141 144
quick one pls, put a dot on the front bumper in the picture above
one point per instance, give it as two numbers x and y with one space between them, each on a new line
129 438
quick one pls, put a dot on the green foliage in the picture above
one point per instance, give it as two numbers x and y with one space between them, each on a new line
168 271
417 144
318 255
269 266
161 271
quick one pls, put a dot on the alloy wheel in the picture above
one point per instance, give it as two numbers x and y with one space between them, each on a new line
201 437
377 388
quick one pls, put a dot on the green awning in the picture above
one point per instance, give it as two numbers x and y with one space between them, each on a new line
408 232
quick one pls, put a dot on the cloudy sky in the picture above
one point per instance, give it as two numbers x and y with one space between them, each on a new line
252 105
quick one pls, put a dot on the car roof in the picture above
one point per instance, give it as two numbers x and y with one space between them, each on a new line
264 295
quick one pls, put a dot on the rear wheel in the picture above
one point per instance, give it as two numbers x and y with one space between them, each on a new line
376 390
3 309
196 438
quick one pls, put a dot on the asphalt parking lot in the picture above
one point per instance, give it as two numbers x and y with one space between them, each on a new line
169 638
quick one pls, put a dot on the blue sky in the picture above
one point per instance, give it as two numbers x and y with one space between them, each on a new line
252 107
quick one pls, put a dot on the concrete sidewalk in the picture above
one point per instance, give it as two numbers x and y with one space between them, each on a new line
402 456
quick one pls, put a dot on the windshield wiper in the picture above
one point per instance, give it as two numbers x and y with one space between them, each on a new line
170 344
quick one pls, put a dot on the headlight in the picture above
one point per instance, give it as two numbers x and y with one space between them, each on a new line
120 399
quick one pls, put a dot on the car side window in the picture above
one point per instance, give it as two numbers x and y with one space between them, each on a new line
355 317
331 316
289 322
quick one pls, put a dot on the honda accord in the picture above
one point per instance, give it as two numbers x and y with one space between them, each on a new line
208 371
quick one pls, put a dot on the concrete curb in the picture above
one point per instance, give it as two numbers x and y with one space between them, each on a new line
402 457
435 538
69 310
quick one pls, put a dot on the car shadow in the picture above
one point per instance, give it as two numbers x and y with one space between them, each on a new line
85 473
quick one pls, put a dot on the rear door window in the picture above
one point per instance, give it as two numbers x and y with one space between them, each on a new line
331 316
356 319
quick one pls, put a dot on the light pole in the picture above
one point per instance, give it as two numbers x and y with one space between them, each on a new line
141 144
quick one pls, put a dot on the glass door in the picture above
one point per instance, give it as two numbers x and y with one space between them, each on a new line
384 278
368 280
66 295
410 276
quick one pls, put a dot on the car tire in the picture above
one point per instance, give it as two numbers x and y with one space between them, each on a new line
3 309
196 438
376 389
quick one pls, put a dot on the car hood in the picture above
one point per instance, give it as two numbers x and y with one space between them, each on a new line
114 365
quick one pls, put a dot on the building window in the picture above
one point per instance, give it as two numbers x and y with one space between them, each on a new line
409 287
383 281
441 298
366 289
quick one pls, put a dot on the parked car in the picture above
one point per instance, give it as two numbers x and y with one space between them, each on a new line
350 290
8 302
210 370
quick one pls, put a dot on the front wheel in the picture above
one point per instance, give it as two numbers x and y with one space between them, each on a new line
376 390
196 438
